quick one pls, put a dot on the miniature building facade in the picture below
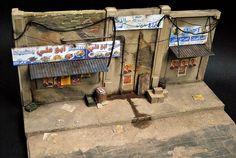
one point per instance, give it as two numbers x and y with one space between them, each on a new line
154 43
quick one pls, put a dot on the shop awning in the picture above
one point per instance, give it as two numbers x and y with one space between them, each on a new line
66 68
187 51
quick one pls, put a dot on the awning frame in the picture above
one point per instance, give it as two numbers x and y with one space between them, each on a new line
191 51
67 68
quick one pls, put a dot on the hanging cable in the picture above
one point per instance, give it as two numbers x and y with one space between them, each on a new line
177 32
34 23
194 24
189 32
113 40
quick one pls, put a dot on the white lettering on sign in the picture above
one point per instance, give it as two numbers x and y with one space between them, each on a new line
78 51
137 22
177 37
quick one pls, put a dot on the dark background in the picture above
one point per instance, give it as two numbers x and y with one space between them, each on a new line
220 74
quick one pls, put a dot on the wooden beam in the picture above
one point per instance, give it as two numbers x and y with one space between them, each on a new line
195 13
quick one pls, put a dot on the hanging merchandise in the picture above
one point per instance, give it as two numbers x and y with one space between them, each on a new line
65 81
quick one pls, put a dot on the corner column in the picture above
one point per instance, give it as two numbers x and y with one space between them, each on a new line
162 46
111 79
23 72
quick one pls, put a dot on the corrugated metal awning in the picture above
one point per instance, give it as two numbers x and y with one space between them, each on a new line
66 68
187 51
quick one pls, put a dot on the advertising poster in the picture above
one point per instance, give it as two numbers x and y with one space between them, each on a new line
127 79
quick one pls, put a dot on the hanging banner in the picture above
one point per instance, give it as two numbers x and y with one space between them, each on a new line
187 38
78 51
137 22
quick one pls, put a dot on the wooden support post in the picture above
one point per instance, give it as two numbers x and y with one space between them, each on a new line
24 80
162 46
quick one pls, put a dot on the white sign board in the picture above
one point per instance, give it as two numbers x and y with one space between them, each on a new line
188 38
78 51
137 22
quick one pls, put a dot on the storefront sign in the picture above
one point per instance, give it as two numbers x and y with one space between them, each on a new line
78 51
137 22
187 38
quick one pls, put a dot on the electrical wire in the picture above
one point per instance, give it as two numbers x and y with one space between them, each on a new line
189 32
34 23
113 40
193 24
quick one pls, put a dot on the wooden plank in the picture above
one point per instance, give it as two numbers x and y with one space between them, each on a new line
138 11
195 13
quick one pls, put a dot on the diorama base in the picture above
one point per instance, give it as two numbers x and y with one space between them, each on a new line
182 126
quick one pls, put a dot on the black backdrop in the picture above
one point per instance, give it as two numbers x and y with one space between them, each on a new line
220 75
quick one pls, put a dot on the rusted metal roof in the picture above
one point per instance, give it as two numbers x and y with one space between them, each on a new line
55 69
188 51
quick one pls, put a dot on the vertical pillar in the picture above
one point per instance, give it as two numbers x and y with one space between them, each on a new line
204 60
23 75
111 79
162 46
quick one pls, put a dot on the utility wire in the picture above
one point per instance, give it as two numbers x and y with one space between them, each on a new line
113 40
189 32
193 24
34 23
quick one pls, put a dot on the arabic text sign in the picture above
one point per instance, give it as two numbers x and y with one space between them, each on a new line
41 54
137 22
187 38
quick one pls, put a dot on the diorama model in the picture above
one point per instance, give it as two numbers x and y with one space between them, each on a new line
97 55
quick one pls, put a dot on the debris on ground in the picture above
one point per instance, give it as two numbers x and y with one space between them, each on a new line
68 107
31 107
118 129
198 97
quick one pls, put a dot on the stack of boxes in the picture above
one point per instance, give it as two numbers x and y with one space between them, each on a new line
157 95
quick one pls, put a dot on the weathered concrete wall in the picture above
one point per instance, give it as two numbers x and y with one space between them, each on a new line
36 36
190 18
139 47
145 51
